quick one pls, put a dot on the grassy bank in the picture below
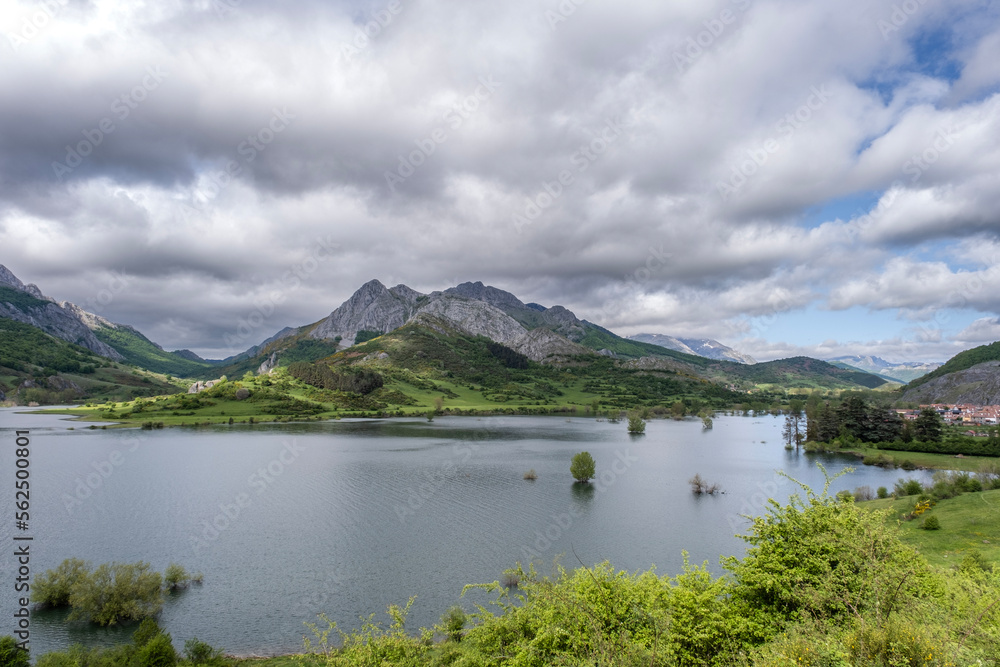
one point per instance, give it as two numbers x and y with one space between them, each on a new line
969 522
923 459
282 398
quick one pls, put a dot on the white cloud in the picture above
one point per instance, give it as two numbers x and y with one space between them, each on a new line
840 107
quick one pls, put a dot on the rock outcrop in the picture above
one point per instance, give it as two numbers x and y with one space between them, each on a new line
201 385
545 346
268 364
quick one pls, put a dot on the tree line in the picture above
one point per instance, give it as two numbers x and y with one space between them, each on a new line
358 381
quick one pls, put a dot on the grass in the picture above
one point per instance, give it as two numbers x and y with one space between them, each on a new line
454 398
924 459
969 522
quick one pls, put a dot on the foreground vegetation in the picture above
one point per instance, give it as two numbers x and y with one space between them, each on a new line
825 581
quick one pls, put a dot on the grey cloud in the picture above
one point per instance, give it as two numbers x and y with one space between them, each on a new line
173 197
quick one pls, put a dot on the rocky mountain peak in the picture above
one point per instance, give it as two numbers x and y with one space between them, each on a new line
370 290
8 279
406 293
371 308
491 295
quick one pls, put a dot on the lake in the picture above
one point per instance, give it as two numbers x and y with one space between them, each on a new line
346 517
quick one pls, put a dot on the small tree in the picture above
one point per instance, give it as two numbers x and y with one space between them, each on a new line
928 426
176 576
636 424
453 622
158 652
53 588
118 592
198 652
146 632
582 467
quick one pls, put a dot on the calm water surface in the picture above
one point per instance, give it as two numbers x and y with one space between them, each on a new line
288 521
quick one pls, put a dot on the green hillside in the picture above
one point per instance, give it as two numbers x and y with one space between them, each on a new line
962 361
140 351
797 373
20 300
846 366
599 338
61 372
416 369
299 347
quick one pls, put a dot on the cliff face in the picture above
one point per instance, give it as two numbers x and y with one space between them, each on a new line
544 345
978 385
25 303
476 318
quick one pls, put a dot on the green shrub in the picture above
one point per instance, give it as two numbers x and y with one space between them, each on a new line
636 423
974 563
931 523
894 642
881 460
11 655
53 588
453 623
147 629
819 557
198 652
158 652
882 492
908 487
698 618
117 592
176 576
57 659
582 467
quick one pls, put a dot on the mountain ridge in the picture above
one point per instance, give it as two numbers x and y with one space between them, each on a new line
905 371
701 347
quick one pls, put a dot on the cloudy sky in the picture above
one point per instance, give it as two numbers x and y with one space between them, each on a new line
787 177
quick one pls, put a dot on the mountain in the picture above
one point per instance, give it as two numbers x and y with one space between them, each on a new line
961 361
702 347
69 322
971 376
896 372
26 304
38 367
841 364
190 356
978 384
472 308
378 320
792 373
478 309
